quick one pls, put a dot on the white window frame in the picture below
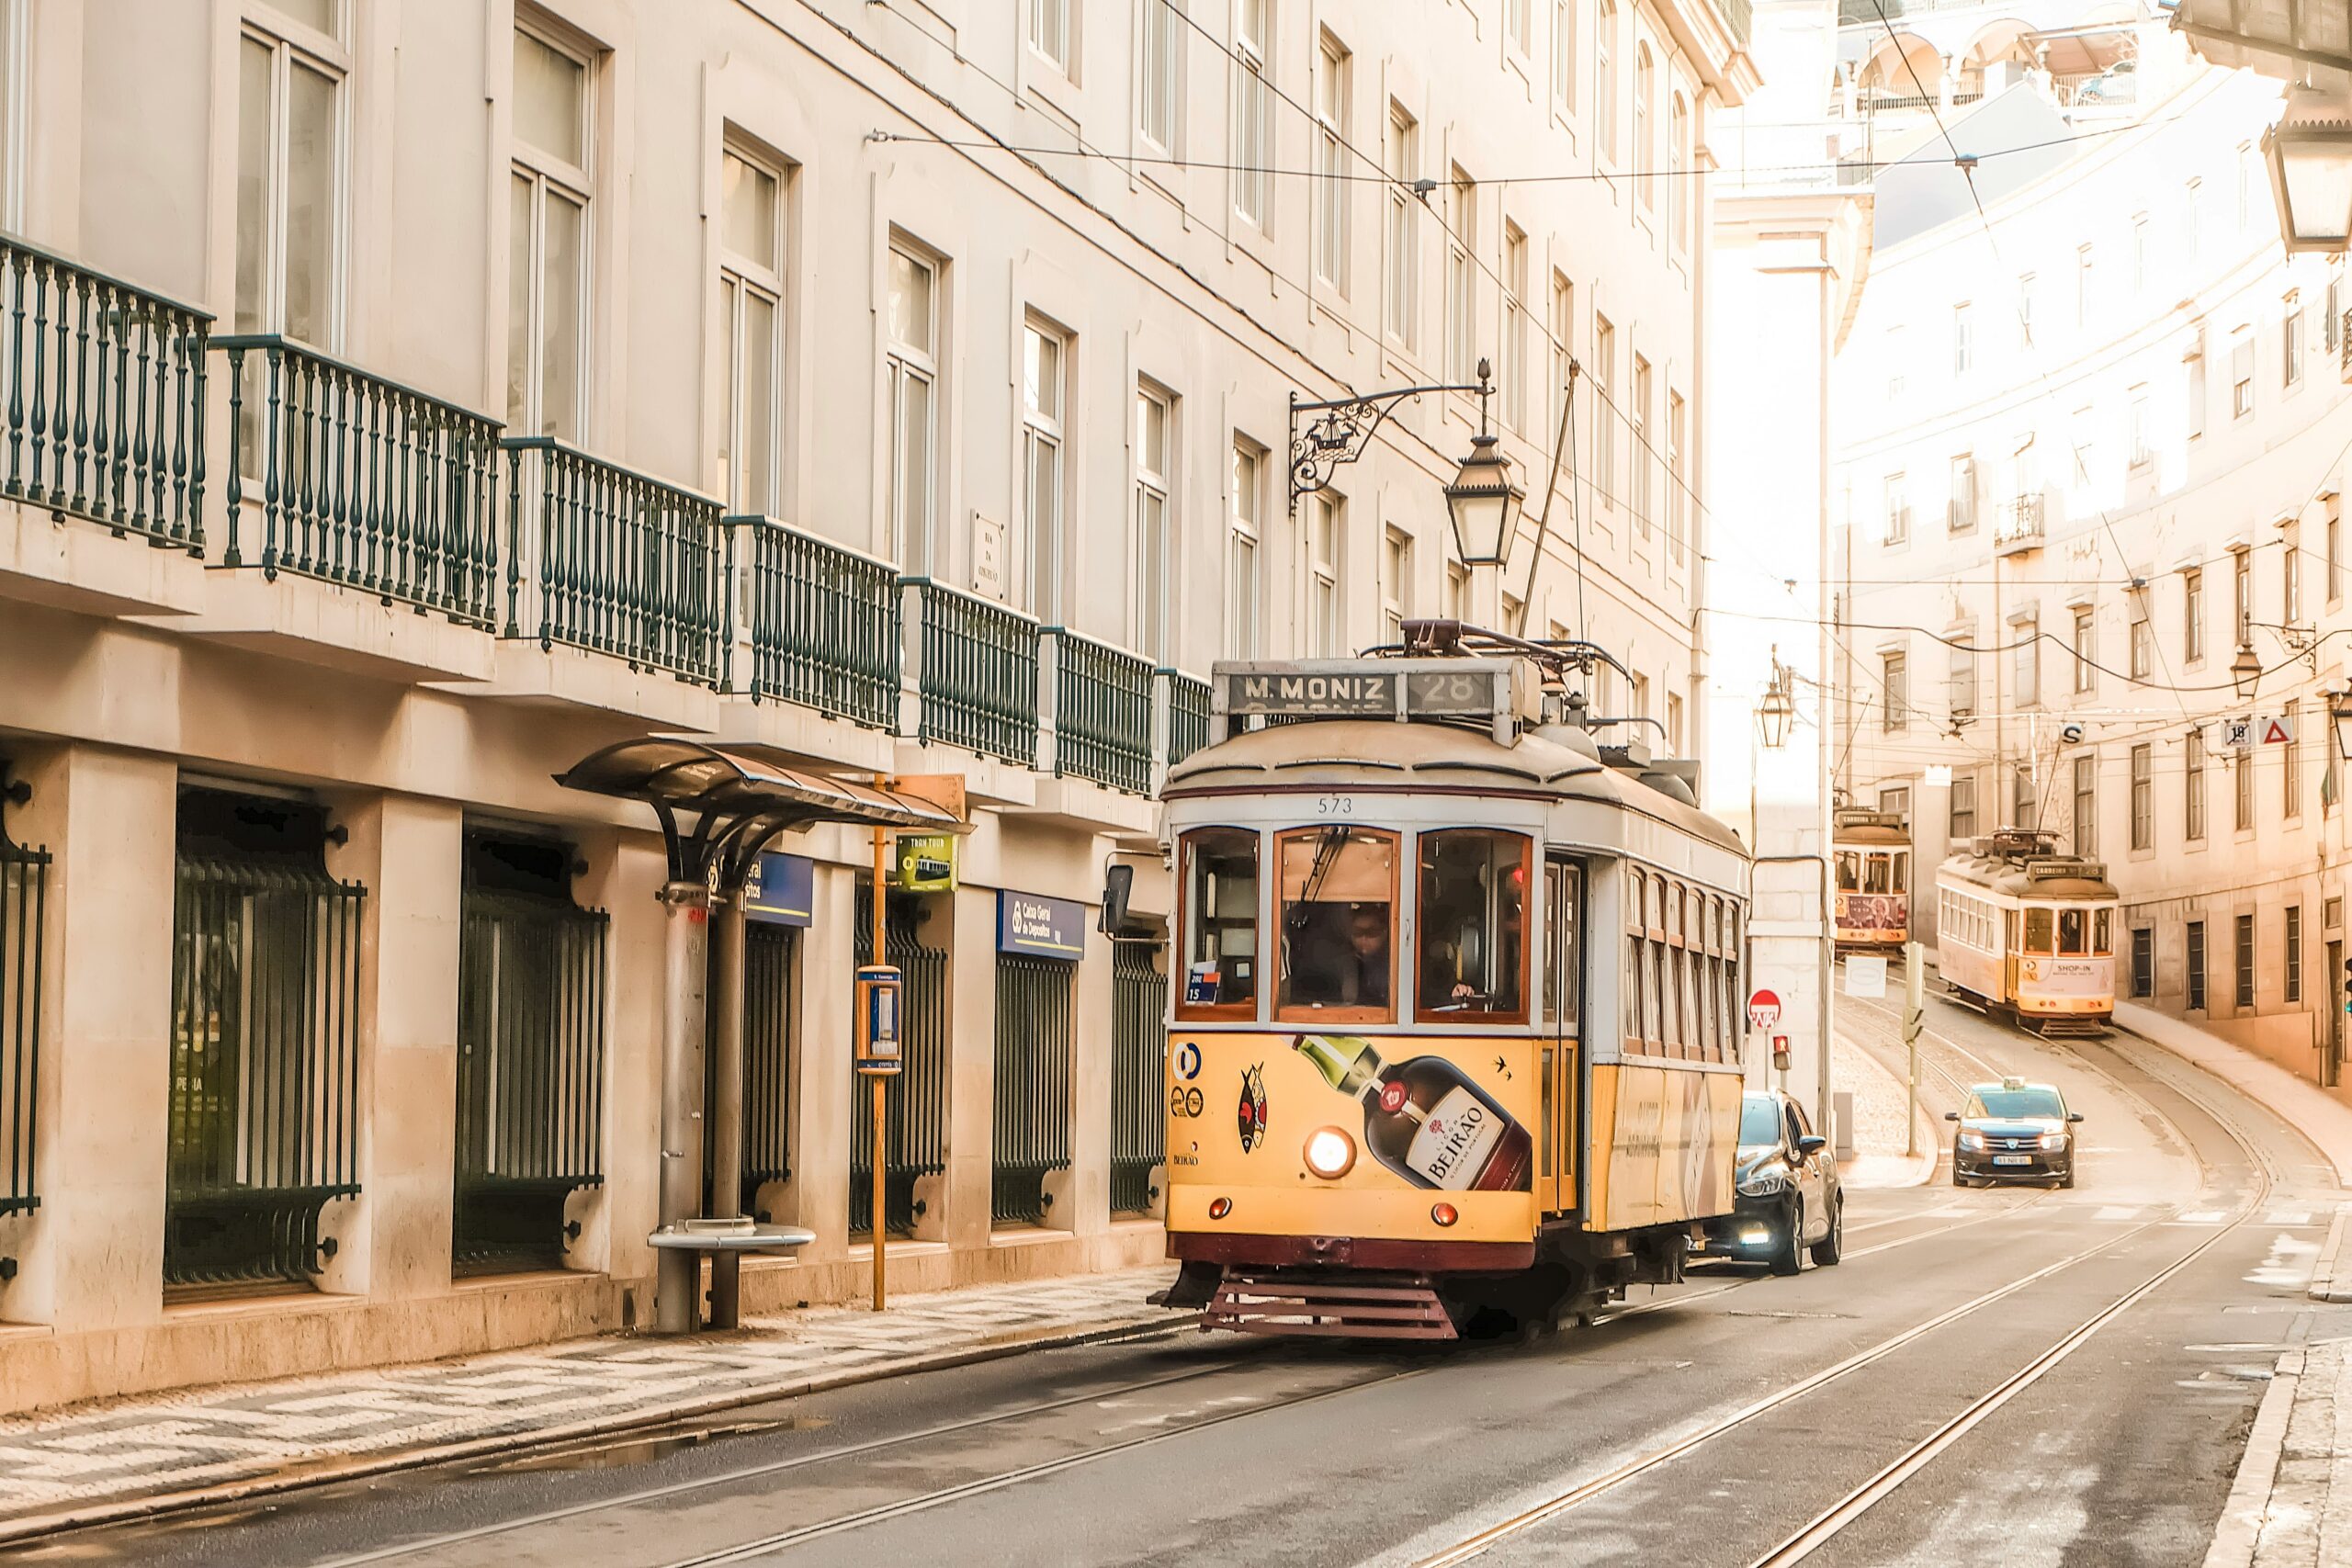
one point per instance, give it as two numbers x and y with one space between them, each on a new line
1678 483
913 541
1253 113
1564 54
1461 277
1604 413
1395 582
1160 61
1327 610
546 174
1514 366
1638 446
1050 28
1244 548
748 278
292 47
1045 441
1644 125
1402 307
1155 560
1333 108
16 124
1604 97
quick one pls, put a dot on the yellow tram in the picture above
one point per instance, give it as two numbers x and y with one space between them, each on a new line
2024 932
1456 1018
1872 851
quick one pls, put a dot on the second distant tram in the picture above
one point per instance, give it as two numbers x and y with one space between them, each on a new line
1872 914
2028 933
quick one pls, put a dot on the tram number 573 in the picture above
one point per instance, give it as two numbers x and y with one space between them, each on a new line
1335 806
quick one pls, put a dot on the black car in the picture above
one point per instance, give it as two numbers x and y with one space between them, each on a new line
2013 1131
1788 1201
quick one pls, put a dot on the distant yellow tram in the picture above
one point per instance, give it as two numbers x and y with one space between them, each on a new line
1456 1012
1872 849
2027 933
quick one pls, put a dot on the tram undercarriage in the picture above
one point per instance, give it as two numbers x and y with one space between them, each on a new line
2056 1026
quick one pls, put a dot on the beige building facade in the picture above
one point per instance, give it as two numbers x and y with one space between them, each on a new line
405 402
2091 448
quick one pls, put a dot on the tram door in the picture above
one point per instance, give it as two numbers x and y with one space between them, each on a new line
1555 1171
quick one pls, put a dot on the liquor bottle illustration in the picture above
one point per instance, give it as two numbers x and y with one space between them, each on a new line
1423 1119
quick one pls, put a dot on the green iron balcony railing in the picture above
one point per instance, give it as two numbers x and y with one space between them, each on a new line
825 623
1102 713
361 482
105 399
602 558
979 672
1188 715
24 907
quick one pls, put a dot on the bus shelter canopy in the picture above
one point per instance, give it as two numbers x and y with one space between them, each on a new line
738 803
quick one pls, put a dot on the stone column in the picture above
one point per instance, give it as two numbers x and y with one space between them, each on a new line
1093 1020
624 877
92 1256
971 1080
818 1194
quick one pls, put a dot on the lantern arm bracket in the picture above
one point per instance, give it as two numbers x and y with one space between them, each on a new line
1342 428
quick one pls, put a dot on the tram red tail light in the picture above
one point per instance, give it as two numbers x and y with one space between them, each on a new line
1443 1213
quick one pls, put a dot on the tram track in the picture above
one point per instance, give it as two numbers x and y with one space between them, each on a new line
1917 1456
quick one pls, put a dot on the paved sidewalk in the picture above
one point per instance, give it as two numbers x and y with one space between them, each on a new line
127 1456
1879 1096
2292 1506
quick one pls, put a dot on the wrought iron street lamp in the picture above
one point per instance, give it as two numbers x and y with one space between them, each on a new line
1484 502
1778 711
2339 711
1339 429
2310 154
2246 672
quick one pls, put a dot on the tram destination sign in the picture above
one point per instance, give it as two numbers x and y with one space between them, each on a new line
1364 688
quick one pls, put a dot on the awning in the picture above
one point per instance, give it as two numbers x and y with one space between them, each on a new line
739 803
2296 41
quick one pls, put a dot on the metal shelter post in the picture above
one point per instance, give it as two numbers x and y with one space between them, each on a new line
730 919
685 930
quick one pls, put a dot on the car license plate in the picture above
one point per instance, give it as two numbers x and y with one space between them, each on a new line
2012 1159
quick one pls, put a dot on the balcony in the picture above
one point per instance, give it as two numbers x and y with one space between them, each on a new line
975 672
2018 525
602 557
825 624
361 481
1188 715
1102 713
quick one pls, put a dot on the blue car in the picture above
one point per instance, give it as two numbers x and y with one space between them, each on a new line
2013 1131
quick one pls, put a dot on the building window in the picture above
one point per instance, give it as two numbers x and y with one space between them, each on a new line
1963 341
1963 675
1895 675
1160 75
2143 643
910 374
1396 583
2025 310
2241 581
1677 487
2025 660
2143 963
2196 966
1639 447
2294 953
1457 604
2334 563
2290 574
1674 724
289 175
1604 76
1514 369
547 259
1645 131
2193 787
1404 299
2140 251
2192 616
2086 805
1604 422
1518 20
1961 512
1044 353
2083 274
2025 802
2245 997
2242 377
2242 770
2085 648
1964 806
2291 762
1462 281
2195 363
752 319
1898 511
1049 31
1155 465
1326 613
1564 52
2144 798
1896 800
1564 315
1244 591
1682 201
2290 340
1253 110
1330 169
2141 454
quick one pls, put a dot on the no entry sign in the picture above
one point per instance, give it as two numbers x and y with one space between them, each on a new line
1763 1010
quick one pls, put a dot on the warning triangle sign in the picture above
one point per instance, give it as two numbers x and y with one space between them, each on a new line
2273 732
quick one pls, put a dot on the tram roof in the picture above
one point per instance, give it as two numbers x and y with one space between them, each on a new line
2059 880
1552 762
1871 836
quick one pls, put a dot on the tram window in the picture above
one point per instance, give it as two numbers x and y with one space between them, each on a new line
1876 870
1472 924
1563 902
1902 870
1636 892
1849 872
2074 932
1339 925
2037 930
1220 923
2103 933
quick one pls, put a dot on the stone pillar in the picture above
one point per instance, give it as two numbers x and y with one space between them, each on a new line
409 854
92 1256
818 1194
971 1078
1092 1020
624 877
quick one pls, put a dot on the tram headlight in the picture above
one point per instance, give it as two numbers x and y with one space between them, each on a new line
1763 1181
1329 1152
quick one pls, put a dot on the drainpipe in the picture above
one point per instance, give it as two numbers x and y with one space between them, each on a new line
1820 864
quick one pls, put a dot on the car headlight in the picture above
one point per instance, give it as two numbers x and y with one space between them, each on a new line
1763 1181
1329 1152
2054 1140
1971 1140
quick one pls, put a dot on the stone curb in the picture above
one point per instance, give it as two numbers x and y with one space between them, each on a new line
26 1526
2330 1281
2239 1532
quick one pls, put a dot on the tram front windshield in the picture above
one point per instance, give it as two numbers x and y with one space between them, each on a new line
1473 922
1339 924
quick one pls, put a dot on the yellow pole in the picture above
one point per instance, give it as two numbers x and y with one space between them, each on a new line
881 876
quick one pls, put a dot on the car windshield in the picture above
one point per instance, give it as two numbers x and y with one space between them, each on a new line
2014 1104
1759 1122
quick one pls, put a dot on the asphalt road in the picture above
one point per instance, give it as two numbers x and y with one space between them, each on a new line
2020 1376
